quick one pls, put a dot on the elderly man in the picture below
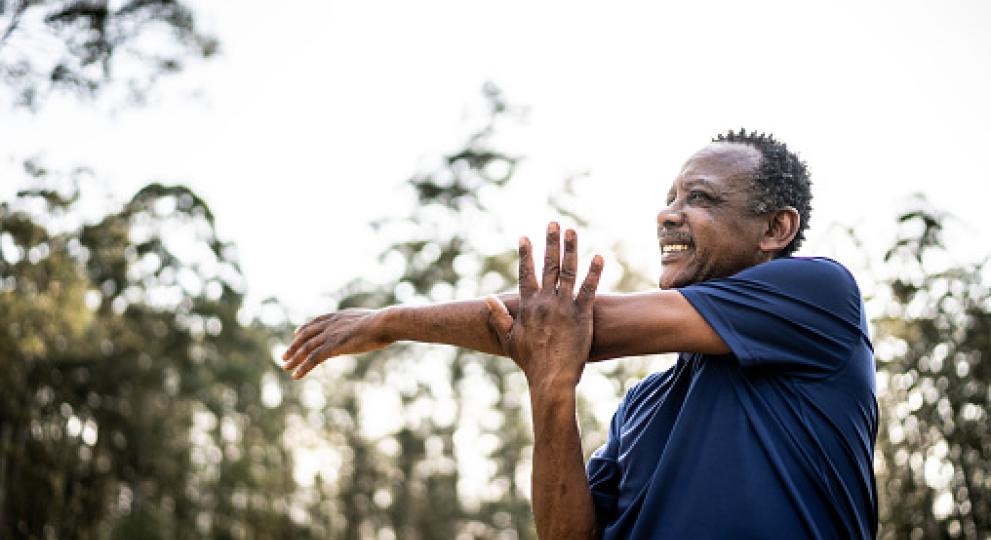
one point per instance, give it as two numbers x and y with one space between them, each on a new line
765 426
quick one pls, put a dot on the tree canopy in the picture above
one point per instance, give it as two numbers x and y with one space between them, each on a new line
82 46
137 400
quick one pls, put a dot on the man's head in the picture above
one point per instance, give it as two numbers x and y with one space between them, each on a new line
740 201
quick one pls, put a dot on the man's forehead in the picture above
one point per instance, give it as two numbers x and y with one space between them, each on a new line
720 162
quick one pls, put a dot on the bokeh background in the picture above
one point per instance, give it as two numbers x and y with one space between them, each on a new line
182 183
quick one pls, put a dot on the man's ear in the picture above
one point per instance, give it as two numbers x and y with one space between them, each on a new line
782 226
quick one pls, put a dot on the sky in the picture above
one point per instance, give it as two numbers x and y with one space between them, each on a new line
305 127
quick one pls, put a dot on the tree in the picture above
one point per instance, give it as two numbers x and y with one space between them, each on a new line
407 481
456 459
133 396
933 345
82 46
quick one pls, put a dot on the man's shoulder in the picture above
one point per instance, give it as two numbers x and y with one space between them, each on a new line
822 273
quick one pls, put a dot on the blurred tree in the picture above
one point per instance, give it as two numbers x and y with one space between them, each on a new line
407 482
455 457
934 345
134 403
81 46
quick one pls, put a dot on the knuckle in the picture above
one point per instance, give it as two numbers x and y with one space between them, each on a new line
314 356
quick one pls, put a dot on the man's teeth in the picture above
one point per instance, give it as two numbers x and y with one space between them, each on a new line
671 248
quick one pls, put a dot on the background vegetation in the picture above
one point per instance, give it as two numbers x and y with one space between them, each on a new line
136 401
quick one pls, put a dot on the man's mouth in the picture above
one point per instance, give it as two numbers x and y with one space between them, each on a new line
674 248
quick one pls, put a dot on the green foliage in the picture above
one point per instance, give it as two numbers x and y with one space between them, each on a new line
78 46
132 395
934 347
456 460
407 481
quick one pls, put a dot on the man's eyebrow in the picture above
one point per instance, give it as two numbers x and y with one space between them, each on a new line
704 181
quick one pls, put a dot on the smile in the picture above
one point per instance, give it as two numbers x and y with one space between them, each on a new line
674 248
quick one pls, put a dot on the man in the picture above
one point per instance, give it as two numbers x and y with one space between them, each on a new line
764 428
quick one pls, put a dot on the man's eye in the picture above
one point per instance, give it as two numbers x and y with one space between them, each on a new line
698 196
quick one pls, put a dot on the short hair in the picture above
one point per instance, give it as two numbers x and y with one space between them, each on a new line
781 180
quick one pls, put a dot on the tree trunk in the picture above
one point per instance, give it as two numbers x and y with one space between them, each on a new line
5 434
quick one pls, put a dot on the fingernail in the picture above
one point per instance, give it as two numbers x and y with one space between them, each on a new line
553 227
570 234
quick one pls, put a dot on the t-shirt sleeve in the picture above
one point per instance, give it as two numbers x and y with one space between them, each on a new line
604 472
795 314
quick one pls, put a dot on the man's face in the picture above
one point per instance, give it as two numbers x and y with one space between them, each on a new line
708 229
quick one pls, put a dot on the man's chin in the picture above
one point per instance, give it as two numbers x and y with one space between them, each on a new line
674 279
668 282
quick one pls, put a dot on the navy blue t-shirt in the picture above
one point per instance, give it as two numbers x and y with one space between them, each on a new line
774 440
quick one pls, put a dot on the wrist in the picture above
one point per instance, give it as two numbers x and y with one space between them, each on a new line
550 393
386 324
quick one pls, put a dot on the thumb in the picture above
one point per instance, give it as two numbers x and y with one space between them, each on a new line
499 318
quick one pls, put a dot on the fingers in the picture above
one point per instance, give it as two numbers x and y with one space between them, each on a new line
552 257
312 360
311 322
587 293
528 277
499 319
569 267
306 332
301 353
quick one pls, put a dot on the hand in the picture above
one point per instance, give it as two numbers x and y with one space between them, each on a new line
551 337
350 331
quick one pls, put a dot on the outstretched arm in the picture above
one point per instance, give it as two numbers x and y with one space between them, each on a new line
352 331
623 325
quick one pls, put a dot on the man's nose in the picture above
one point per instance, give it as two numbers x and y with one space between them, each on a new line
670 217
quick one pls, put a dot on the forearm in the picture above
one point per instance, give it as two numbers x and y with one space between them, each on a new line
623 325
462 324
562 500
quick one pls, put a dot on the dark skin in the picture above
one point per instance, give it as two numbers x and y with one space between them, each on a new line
549 340
708 209
706 231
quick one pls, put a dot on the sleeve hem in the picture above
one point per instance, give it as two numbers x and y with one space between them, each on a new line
704 306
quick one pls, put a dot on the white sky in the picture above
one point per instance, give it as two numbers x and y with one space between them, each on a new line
317 112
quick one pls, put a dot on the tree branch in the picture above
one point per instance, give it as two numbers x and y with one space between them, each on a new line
15 19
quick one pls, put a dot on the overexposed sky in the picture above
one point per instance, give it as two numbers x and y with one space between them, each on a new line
306 126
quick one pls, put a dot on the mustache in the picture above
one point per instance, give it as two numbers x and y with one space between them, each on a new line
665 236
